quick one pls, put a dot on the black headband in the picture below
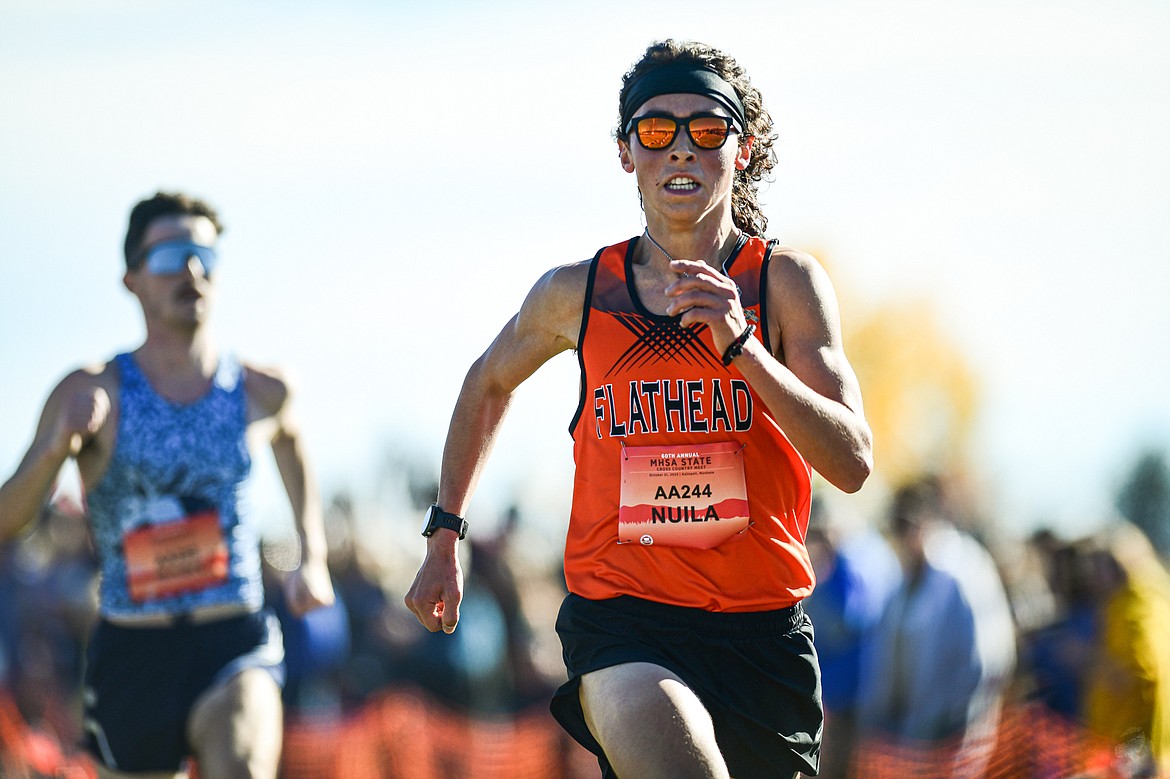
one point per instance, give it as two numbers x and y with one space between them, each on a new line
689 78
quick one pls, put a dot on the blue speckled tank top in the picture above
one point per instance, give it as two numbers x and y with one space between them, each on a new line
165 514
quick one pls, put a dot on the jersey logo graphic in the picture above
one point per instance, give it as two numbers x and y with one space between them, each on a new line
663 341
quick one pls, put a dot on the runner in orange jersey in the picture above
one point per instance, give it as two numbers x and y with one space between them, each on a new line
713 380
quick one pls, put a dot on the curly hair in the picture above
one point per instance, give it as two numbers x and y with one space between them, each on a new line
161 204
745 206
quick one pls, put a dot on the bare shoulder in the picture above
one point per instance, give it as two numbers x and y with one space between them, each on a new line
800 285
269 389
102 376
557 300
563 285
796 269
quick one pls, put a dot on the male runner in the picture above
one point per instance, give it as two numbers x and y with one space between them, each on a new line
713 379
185 660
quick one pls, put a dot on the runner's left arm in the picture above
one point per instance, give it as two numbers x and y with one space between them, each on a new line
309 586
813 394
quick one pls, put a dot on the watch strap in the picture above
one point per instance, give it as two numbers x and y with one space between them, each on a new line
437 518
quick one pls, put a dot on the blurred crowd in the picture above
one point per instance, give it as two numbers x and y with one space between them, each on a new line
930 624
930 627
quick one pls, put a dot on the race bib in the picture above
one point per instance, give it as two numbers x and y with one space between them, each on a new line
692 495
185 555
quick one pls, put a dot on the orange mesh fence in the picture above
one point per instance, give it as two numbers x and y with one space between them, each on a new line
26 753
1030 743
406 736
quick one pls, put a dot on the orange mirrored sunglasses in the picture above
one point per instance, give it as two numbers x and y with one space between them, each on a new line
657 131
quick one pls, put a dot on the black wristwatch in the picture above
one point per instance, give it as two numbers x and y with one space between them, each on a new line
437 518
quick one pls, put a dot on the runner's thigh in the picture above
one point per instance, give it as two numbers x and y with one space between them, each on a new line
238 724
649 723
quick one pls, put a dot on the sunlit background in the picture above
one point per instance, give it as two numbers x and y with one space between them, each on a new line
988 184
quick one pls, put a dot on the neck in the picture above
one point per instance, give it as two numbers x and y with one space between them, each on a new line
179 353
711 243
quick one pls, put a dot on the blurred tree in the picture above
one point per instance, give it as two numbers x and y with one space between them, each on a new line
921 394
1144 498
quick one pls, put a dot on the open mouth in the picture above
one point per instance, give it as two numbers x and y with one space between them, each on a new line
681 184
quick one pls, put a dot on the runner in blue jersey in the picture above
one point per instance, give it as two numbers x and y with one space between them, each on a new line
185 660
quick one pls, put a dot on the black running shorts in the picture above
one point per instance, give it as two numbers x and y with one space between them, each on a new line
140 683
756 672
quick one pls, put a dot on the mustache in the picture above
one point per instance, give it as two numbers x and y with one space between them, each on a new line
187 292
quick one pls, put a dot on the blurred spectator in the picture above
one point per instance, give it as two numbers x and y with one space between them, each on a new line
856 574
316 644
1057 655
493 569
47 605
944 649
1128 687
382 632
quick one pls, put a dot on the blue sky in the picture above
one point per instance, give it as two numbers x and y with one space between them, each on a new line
395 176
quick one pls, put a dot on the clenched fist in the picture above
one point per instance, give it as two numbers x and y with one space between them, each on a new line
81 418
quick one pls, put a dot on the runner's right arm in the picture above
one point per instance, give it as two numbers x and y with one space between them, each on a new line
75 412
547 324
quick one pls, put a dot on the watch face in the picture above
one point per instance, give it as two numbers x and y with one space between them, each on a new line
437 518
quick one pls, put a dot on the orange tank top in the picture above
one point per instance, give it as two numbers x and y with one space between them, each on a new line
646 381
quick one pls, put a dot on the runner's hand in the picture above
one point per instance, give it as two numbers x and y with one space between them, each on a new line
308 587
703 295
437 590
80 418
